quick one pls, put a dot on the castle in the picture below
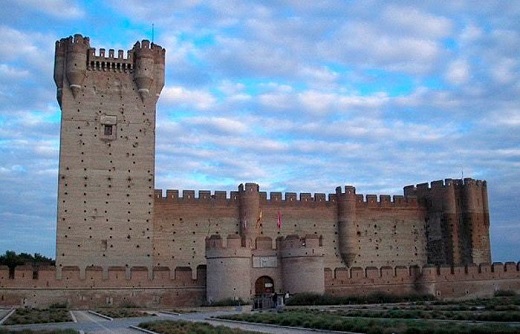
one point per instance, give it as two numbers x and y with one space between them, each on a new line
121 241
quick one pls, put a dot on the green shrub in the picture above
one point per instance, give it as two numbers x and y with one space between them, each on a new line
505 293
226 302
374 298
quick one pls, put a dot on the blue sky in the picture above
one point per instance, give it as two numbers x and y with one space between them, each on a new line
299 96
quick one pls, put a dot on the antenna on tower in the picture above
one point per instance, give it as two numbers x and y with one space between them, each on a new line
153 31
462 172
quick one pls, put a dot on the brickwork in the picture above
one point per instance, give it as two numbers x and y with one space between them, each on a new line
106 173
176 287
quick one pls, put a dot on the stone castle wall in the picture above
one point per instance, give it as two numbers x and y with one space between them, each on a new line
387 231
443 282
166 288
96 287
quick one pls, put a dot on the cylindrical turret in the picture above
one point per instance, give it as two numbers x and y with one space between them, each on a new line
476 216
347 236
144 67
76 66
59 64
486 247
470 196
249 211
228 269
302 264
160 57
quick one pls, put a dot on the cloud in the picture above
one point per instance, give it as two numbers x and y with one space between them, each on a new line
458 72
63 9
180 96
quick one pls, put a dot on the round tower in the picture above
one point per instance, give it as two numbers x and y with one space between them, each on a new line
59 67
302 264
144 67
159 65
347 224
451 217
249 196
228 268
476 217
76 61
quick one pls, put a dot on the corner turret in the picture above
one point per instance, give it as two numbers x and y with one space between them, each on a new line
457 220
149 68
71 60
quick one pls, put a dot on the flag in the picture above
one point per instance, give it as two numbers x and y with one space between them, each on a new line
259 219
279 222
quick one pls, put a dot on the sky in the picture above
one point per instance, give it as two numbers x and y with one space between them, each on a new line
297 96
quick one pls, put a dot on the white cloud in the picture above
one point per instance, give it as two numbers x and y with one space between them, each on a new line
458 72
220 124
412 21
63 9
198 99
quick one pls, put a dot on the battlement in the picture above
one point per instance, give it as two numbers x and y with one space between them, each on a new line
121 63
427 273
95 276
190 196
295 246
422 188
294 241
76 42
288 198
110 62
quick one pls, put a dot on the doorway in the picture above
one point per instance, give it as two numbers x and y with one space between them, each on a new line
264 285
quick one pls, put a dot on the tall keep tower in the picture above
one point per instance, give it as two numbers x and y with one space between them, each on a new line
107 153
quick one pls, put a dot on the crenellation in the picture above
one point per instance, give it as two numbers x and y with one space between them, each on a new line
372 273
306 197
435 279
203 196
497 267
320 197
290 197
275 196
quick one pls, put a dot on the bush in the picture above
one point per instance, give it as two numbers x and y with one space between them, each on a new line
226 302
374 298
505 293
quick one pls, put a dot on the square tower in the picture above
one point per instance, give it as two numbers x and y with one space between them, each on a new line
107 153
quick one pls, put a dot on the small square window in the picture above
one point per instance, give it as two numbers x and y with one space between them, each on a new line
107 130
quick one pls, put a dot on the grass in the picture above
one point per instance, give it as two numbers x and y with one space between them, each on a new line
184 327
374 298
27 331
327 321
501 316
227 302
122 312
37 316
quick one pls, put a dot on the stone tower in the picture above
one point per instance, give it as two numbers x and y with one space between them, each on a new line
107 152
457 222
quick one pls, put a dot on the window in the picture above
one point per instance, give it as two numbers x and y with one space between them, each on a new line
108 130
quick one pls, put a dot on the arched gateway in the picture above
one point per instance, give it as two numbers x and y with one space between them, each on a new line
264 285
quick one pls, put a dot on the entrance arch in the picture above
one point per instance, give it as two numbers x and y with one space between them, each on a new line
264 285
